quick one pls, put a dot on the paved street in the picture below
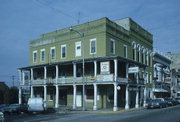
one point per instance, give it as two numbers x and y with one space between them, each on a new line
170 114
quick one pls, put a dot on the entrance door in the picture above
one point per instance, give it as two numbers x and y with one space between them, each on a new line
63 97
79 99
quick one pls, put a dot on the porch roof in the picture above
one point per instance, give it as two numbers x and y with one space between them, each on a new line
87 60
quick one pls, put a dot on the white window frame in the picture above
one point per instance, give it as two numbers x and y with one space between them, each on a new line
42 50
126 51
76 51
64 45
95 46
35 51
112 40
53 48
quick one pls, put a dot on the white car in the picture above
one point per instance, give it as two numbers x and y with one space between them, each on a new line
36 105
1 117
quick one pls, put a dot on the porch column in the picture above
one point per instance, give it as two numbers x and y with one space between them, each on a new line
57 72
145 96
74 70
74 96
32 92
115 108
45 74
20 76
115 69
127 97
32 75
45 92
23 77
20 95
95 69
57 97
127 66
95 97
137 98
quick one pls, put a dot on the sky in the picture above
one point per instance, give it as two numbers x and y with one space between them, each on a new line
25 20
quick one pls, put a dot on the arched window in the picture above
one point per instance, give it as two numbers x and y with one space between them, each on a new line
138 54
142 55
134 50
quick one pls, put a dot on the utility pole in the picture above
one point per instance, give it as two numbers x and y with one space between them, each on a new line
13 77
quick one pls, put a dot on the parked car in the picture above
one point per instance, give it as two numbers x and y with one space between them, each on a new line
13 108
36 105
169 101
174 101
2 106
1 117
178 100
157 103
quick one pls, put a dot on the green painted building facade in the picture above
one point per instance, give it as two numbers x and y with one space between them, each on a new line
56 71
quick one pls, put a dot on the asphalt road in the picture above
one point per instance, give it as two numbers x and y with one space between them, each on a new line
170 114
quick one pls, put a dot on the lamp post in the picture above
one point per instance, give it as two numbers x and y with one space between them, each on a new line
82 38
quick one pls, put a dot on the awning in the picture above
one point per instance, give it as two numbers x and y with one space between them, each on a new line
159 90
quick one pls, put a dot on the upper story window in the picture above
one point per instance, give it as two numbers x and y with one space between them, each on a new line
93 46
125 50
42 55
35 56
53 53
112 46
63 51
77 48
138 54
134 50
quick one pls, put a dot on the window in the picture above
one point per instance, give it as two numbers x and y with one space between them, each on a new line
147 58
150 75
89 94
77 49
142 57
112 46
147 76
134 51
35 56
63 51
93 46
53 53
42 55
125 51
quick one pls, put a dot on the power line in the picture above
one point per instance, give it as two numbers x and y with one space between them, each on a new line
56 10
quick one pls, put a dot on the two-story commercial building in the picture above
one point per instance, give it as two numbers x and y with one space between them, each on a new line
98 64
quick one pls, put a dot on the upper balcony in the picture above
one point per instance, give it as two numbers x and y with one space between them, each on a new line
104 79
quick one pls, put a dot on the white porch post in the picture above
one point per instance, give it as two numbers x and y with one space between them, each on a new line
74 70
95 97
95 68
115 69
32 92
32 75
115 108
45 92
20 95
145 80
57 72
57 97
74 96
144 96
45 74
127 97
137 98
23 77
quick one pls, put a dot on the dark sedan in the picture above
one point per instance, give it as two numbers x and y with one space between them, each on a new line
157 103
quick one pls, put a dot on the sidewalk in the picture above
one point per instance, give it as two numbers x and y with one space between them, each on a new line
121 110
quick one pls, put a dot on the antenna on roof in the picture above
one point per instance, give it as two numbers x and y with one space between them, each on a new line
78 20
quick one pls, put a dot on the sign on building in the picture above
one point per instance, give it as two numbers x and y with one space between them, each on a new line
105 67
104 78
133 70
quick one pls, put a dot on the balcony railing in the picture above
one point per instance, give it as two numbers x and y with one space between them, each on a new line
78 80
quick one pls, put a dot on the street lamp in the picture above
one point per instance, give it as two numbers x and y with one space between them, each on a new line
82 38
